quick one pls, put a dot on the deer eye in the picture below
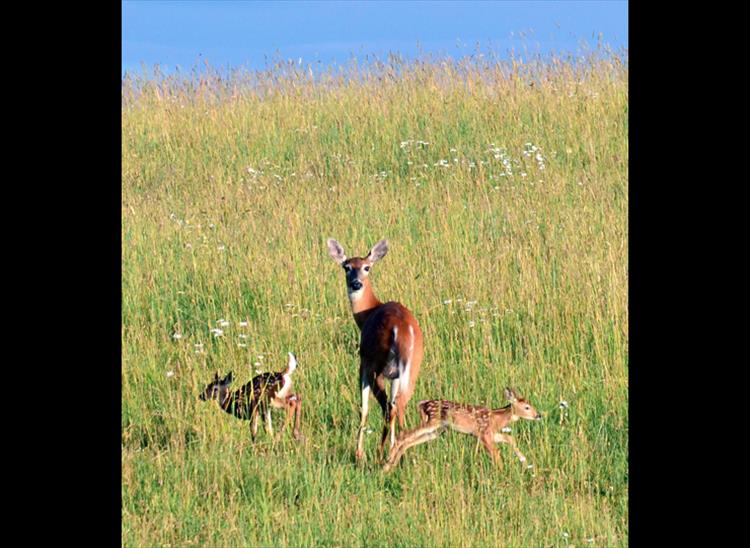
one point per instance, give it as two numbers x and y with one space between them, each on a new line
367 269
527 408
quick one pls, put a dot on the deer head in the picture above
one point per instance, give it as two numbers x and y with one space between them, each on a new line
520 407
357 268
217 389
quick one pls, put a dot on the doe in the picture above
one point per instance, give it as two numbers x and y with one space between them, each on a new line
390 345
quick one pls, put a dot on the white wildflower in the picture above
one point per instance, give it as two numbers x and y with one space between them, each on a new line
170 373
563 404
222 322
177 336
506 429
243 324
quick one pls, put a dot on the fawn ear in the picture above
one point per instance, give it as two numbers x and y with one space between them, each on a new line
227 379
510 395
216 377
378 251
336 251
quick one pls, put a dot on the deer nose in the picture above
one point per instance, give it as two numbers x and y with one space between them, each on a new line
356 285
538 416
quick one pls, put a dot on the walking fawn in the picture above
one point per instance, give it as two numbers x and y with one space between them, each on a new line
486 424
390 344
258 396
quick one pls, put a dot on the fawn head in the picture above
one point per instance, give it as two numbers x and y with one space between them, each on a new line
520 407
357 268
217 389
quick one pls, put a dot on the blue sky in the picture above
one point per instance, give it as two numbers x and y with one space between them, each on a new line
246 34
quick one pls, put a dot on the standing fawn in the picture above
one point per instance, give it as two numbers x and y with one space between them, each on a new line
390 344
265 391
486 424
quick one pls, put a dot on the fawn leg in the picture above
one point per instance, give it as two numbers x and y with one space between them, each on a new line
297 414
410 438
254 423
365 386
293 408
488 442
505 438
267 413
288 405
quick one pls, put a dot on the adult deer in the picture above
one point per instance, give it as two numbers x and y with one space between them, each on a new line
390 345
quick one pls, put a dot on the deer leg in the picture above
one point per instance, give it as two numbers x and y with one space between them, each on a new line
488 442
365 385
393 411
267 413
411 438
401 409
505 438
296 401
255 419
378 390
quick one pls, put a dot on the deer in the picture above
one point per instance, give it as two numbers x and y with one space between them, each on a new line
390 347
486 424
263 392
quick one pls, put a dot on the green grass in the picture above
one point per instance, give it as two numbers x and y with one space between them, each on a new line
230 188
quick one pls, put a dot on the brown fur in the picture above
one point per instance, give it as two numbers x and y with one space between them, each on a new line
379 355
485 424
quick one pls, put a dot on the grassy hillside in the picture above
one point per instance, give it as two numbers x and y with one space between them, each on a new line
503 192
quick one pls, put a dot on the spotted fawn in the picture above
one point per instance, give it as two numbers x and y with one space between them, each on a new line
265 391
482 422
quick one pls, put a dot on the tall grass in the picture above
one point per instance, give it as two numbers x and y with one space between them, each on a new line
502 189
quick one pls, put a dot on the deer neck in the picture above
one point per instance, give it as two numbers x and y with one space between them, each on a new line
504 415
364 302
226 401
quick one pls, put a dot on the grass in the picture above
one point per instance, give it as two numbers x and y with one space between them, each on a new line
514 264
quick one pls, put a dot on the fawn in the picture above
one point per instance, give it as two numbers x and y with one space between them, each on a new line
265 391
390 347
482 422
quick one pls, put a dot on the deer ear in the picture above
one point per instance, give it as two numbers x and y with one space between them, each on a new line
227 379
336 251
292 363
510 395
378 251
216 377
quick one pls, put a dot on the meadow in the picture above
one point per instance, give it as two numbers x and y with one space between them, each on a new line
502 188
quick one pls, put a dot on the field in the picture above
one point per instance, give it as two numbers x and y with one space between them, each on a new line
502 188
